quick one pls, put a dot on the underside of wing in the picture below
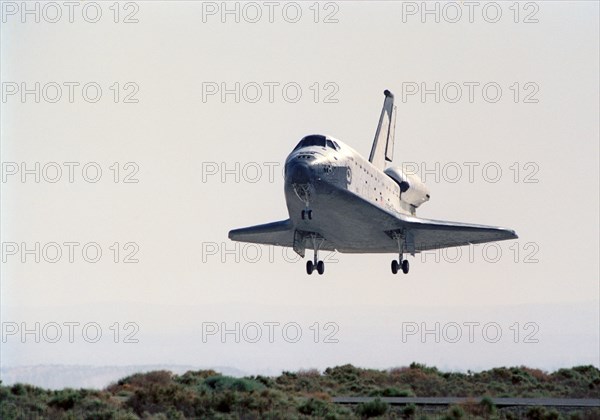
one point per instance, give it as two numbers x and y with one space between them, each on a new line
425 234
276 233
356 226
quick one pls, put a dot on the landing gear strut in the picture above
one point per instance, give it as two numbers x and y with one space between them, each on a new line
401 263
315 264
304 194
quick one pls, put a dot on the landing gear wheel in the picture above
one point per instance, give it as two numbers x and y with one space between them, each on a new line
405 266
303 214
320 267
394 267
317 241
310 215
401 263
309 267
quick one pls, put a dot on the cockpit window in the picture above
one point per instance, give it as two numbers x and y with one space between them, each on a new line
314 140
317 140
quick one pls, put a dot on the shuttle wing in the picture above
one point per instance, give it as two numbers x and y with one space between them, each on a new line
276 233
426 234
364 228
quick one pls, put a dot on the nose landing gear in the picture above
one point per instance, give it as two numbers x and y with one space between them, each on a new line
306 214
303 192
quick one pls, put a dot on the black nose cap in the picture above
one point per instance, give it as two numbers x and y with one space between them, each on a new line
298 172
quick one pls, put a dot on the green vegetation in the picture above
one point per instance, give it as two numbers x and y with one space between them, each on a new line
307 393
373 408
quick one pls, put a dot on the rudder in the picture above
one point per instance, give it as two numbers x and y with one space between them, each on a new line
383 144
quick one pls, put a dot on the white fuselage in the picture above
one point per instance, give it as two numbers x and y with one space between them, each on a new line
327 168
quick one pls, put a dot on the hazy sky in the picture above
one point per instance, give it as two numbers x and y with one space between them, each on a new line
506 134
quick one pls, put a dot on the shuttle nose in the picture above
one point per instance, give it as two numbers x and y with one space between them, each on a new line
298 172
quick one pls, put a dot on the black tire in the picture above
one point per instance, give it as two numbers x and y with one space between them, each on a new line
394 267
302 214
310 215
320 267
405 266
309 267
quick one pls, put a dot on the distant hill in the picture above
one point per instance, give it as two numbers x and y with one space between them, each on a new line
162 394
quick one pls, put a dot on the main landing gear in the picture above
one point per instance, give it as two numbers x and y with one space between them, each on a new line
316 263
401 263
404 266
319 266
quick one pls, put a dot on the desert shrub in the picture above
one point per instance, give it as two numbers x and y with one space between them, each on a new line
345 373
487 405
541 413
194 377
455 412
257 402
9 410
409 411
18 389
310 373
314 407
65 399
156 398
538 374
174 414
424 368
220 383
265 380
482 409
226 402
306 384
106 413
319 395
396 392
372 408
398 371
589 372
157 377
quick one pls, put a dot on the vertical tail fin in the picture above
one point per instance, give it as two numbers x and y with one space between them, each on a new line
383 145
